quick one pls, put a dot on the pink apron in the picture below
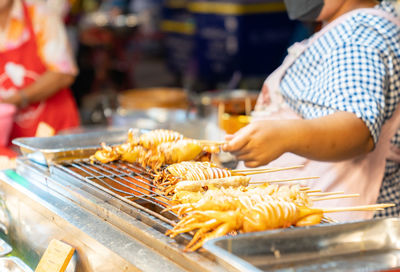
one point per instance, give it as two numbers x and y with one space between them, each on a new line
362 174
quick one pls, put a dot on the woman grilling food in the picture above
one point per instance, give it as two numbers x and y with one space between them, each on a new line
333 105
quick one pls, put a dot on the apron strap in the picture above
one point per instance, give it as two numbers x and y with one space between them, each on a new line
29 23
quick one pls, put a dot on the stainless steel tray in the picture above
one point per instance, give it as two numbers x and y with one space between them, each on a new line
66 147
13 264
372 245
4 248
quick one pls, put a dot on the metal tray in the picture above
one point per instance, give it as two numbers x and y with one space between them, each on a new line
66 147
13 264
46 150
372 245
4 248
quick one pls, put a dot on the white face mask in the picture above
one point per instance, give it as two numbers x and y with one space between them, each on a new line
304 10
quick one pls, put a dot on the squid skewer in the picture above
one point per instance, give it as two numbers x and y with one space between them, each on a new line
105 155
155 137
233 198
189 171
157 148
201 185
261 216
265 215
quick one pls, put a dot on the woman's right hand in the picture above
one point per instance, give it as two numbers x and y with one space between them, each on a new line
335 137
260 142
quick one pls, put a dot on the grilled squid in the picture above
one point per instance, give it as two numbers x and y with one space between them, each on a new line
234 198
183 150
189 171
157 148
134 154
265 215
200 185
105 155
197 171
155 137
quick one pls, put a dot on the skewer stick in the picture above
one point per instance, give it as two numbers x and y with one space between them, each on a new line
313 191
221 111
325 193
329 220
334 197
210 142
373 207
282 180
250 170
265 170
247 106
304 188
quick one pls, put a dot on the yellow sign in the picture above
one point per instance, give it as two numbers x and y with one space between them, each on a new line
235 9
56 257
178 27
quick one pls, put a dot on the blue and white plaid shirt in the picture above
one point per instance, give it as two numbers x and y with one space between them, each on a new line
354 67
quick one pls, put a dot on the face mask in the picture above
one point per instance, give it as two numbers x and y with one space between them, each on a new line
304 10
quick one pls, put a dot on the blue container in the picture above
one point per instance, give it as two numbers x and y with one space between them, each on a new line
247 36
178 26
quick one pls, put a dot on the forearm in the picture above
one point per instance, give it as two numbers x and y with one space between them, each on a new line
331 138
44 87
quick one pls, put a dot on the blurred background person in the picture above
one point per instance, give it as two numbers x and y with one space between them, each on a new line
36 67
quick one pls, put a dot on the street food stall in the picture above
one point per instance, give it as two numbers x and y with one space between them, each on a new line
115 217
196 173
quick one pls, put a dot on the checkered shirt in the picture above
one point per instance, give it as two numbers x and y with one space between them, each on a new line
354 67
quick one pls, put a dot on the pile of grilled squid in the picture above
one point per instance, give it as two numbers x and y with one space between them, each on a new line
212 201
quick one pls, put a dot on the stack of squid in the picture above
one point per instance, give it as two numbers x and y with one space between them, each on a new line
156 148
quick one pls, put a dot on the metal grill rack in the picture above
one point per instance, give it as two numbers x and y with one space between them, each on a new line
127 181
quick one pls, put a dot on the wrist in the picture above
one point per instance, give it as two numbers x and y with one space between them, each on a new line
23 99
296 136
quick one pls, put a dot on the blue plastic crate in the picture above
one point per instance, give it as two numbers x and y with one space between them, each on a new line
246 36
178 27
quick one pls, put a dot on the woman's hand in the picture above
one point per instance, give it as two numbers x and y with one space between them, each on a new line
45 86
13 99
260 142
335 137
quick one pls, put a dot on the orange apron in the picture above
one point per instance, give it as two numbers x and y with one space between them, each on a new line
363 174
21 67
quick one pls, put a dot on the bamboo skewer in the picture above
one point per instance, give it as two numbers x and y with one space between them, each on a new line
221 111
210 142
264 170
247 106
304 188
282 180
329 220
372 207
334 197
313 191
325 193
249 170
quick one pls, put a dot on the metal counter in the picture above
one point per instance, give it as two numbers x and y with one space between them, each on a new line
118 228
35 209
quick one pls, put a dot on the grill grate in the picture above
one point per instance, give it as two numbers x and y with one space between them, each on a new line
127 181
